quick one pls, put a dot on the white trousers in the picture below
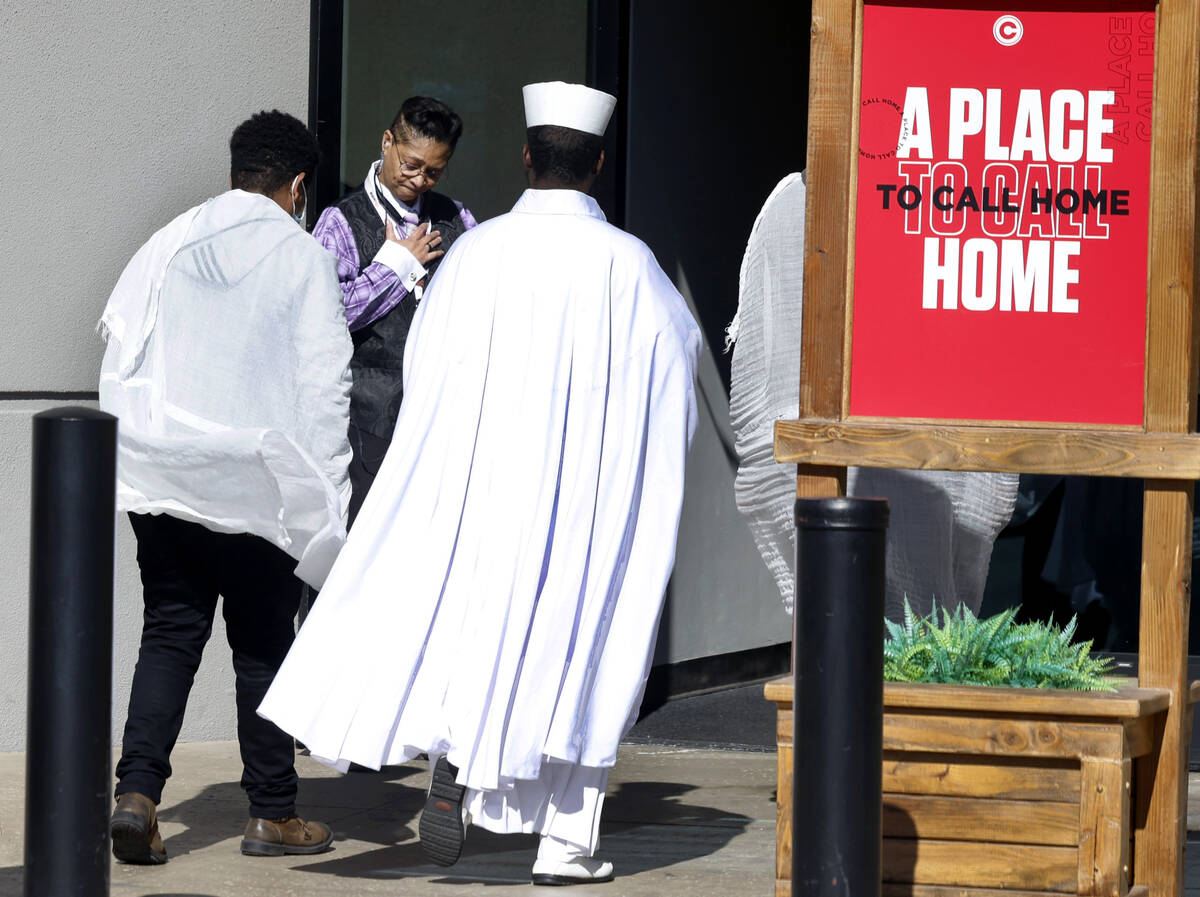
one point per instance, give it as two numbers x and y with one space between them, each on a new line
562 805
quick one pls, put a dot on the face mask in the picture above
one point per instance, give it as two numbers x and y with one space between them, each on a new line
299 216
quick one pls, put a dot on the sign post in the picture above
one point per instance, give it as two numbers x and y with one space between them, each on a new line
1001 276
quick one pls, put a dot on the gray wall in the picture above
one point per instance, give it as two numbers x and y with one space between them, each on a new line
116 118
475 57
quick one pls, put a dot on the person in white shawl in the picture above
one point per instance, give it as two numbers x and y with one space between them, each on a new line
943 523
497 602
227 365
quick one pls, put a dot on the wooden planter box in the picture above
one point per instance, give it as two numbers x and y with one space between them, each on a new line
1002 790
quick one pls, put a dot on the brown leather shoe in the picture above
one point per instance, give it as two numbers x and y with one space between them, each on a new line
275 837
134 827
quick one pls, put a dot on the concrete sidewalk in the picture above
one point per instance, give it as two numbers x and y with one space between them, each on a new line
676 821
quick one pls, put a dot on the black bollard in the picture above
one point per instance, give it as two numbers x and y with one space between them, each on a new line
837 780
68 751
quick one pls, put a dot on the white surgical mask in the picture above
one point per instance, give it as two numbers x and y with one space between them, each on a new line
299 216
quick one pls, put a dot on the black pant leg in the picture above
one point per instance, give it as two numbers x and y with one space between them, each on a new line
261 597
366 455
180 600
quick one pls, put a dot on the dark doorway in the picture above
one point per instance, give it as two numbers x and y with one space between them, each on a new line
715 115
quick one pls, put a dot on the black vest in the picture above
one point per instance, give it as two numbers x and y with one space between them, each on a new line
377 365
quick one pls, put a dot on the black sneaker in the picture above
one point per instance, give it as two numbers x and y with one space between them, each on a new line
443 826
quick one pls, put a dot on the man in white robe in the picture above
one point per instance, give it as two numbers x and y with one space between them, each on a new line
497 602
227 365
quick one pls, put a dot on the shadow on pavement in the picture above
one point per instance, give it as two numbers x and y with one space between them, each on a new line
12 880
364 806
645 827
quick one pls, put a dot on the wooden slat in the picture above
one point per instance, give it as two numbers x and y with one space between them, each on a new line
784 726
1172 340
1141 735
964 863
971 819
893 889
852 213
1104 827
783 792
999 736
831 154
832 72
1128 702
781 690
783 780
1123 453
813 481
984 777
1162 662
783 813
1172 335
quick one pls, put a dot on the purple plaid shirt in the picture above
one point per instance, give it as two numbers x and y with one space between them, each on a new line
383 283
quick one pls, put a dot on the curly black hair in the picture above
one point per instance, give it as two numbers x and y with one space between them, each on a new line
565 155
268 150
429 118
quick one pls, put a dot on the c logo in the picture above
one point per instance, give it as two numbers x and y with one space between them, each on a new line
1008 30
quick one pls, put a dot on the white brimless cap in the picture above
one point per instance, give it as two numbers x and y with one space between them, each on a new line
567 106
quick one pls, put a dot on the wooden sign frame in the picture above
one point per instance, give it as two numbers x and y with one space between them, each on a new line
1165 451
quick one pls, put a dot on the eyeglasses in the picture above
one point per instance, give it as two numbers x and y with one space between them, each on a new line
412 169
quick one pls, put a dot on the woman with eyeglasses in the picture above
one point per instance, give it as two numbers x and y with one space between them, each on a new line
388 236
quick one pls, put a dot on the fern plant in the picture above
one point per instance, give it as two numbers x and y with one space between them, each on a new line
964 650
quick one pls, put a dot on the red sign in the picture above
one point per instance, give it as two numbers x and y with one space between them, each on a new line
1002 214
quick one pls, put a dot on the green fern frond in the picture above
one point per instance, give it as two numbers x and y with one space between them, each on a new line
958 647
